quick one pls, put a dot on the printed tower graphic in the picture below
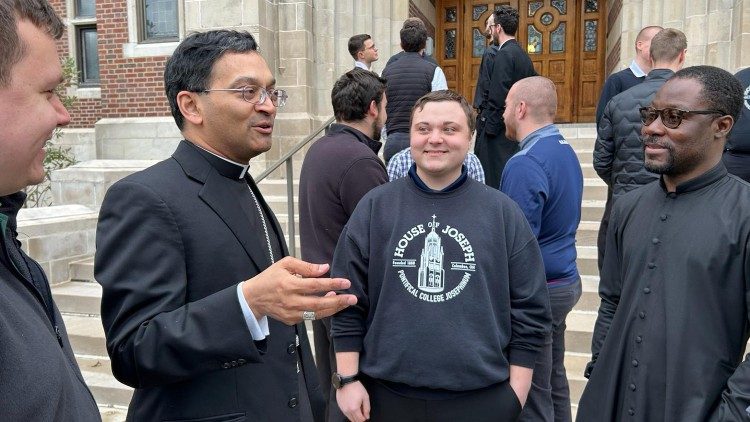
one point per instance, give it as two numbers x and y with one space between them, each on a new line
431 273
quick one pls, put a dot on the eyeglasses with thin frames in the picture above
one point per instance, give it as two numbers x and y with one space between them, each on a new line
257 94
670 117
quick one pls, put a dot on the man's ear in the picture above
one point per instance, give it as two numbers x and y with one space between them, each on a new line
723 126
373 110
190 107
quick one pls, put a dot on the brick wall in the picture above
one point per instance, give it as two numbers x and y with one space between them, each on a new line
130 87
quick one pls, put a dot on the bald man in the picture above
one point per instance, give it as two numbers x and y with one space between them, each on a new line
545 179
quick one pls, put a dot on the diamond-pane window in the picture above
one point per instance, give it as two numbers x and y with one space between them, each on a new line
450 43
590 35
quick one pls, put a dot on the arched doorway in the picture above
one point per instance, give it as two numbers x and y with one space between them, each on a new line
565 40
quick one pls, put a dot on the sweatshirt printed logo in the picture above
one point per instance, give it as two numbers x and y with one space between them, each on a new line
432 282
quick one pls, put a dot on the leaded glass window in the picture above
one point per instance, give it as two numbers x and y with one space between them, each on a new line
535 39
478 10
450 43
159 20
451 15
558 39
561 6
534 6
478 42
85 9
591 6
546 18
590 35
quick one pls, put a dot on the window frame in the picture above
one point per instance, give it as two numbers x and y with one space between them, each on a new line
81 56
141 24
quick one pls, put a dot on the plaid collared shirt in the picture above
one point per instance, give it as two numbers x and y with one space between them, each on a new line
400 163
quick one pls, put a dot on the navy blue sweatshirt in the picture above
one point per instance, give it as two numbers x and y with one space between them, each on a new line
546 181
450 292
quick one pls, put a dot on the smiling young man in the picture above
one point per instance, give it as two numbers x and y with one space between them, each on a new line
39 377
453 305
202 311
672 327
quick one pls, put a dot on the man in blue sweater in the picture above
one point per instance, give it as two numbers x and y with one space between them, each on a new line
545 179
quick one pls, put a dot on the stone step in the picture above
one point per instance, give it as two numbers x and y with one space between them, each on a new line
585 156
587 233
86 334
277 187
113 413
78 297
580 326
594 188
592 209
97 372
586 260
588 170
589 300
82 270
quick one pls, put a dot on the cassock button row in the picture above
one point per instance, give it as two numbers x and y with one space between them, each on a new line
651 265
663 217
234 363
292 402
634 362
631 412
641 315
226 365
646 290
655 241
632 387
638 339
291 349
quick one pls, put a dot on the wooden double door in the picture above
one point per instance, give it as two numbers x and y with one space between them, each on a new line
566 41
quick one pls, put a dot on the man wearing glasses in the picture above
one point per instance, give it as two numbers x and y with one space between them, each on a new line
202 311
363 51
618 153
672 325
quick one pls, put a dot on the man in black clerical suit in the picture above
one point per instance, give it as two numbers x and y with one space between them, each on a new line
202 311
511 64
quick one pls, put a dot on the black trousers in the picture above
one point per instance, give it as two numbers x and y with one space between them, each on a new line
497 403
601 238
493 151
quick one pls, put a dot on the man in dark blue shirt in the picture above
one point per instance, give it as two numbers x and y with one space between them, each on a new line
546 181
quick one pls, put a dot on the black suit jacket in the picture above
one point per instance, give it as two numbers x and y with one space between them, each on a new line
511 65
173 241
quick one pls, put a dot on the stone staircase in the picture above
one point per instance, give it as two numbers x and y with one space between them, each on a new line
79 297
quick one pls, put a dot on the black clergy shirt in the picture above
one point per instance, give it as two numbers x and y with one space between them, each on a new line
673 322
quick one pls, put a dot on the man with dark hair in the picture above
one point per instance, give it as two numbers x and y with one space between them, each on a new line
202 311
511 64
363 51
338 170
453 306
485 71
39 376
737 152
409 77
633 74
545 180
618 152
673 322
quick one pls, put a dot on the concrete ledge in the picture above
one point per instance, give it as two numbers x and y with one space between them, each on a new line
56 236
81 142
138 138
86 183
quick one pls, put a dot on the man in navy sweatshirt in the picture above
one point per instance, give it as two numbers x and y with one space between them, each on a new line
453 306
545 179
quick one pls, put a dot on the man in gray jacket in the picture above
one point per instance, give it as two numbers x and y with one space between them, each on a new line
618 153
39 377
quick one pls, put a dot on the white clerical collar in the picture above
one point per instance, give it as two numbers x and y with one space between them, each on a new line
245 167
637 71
